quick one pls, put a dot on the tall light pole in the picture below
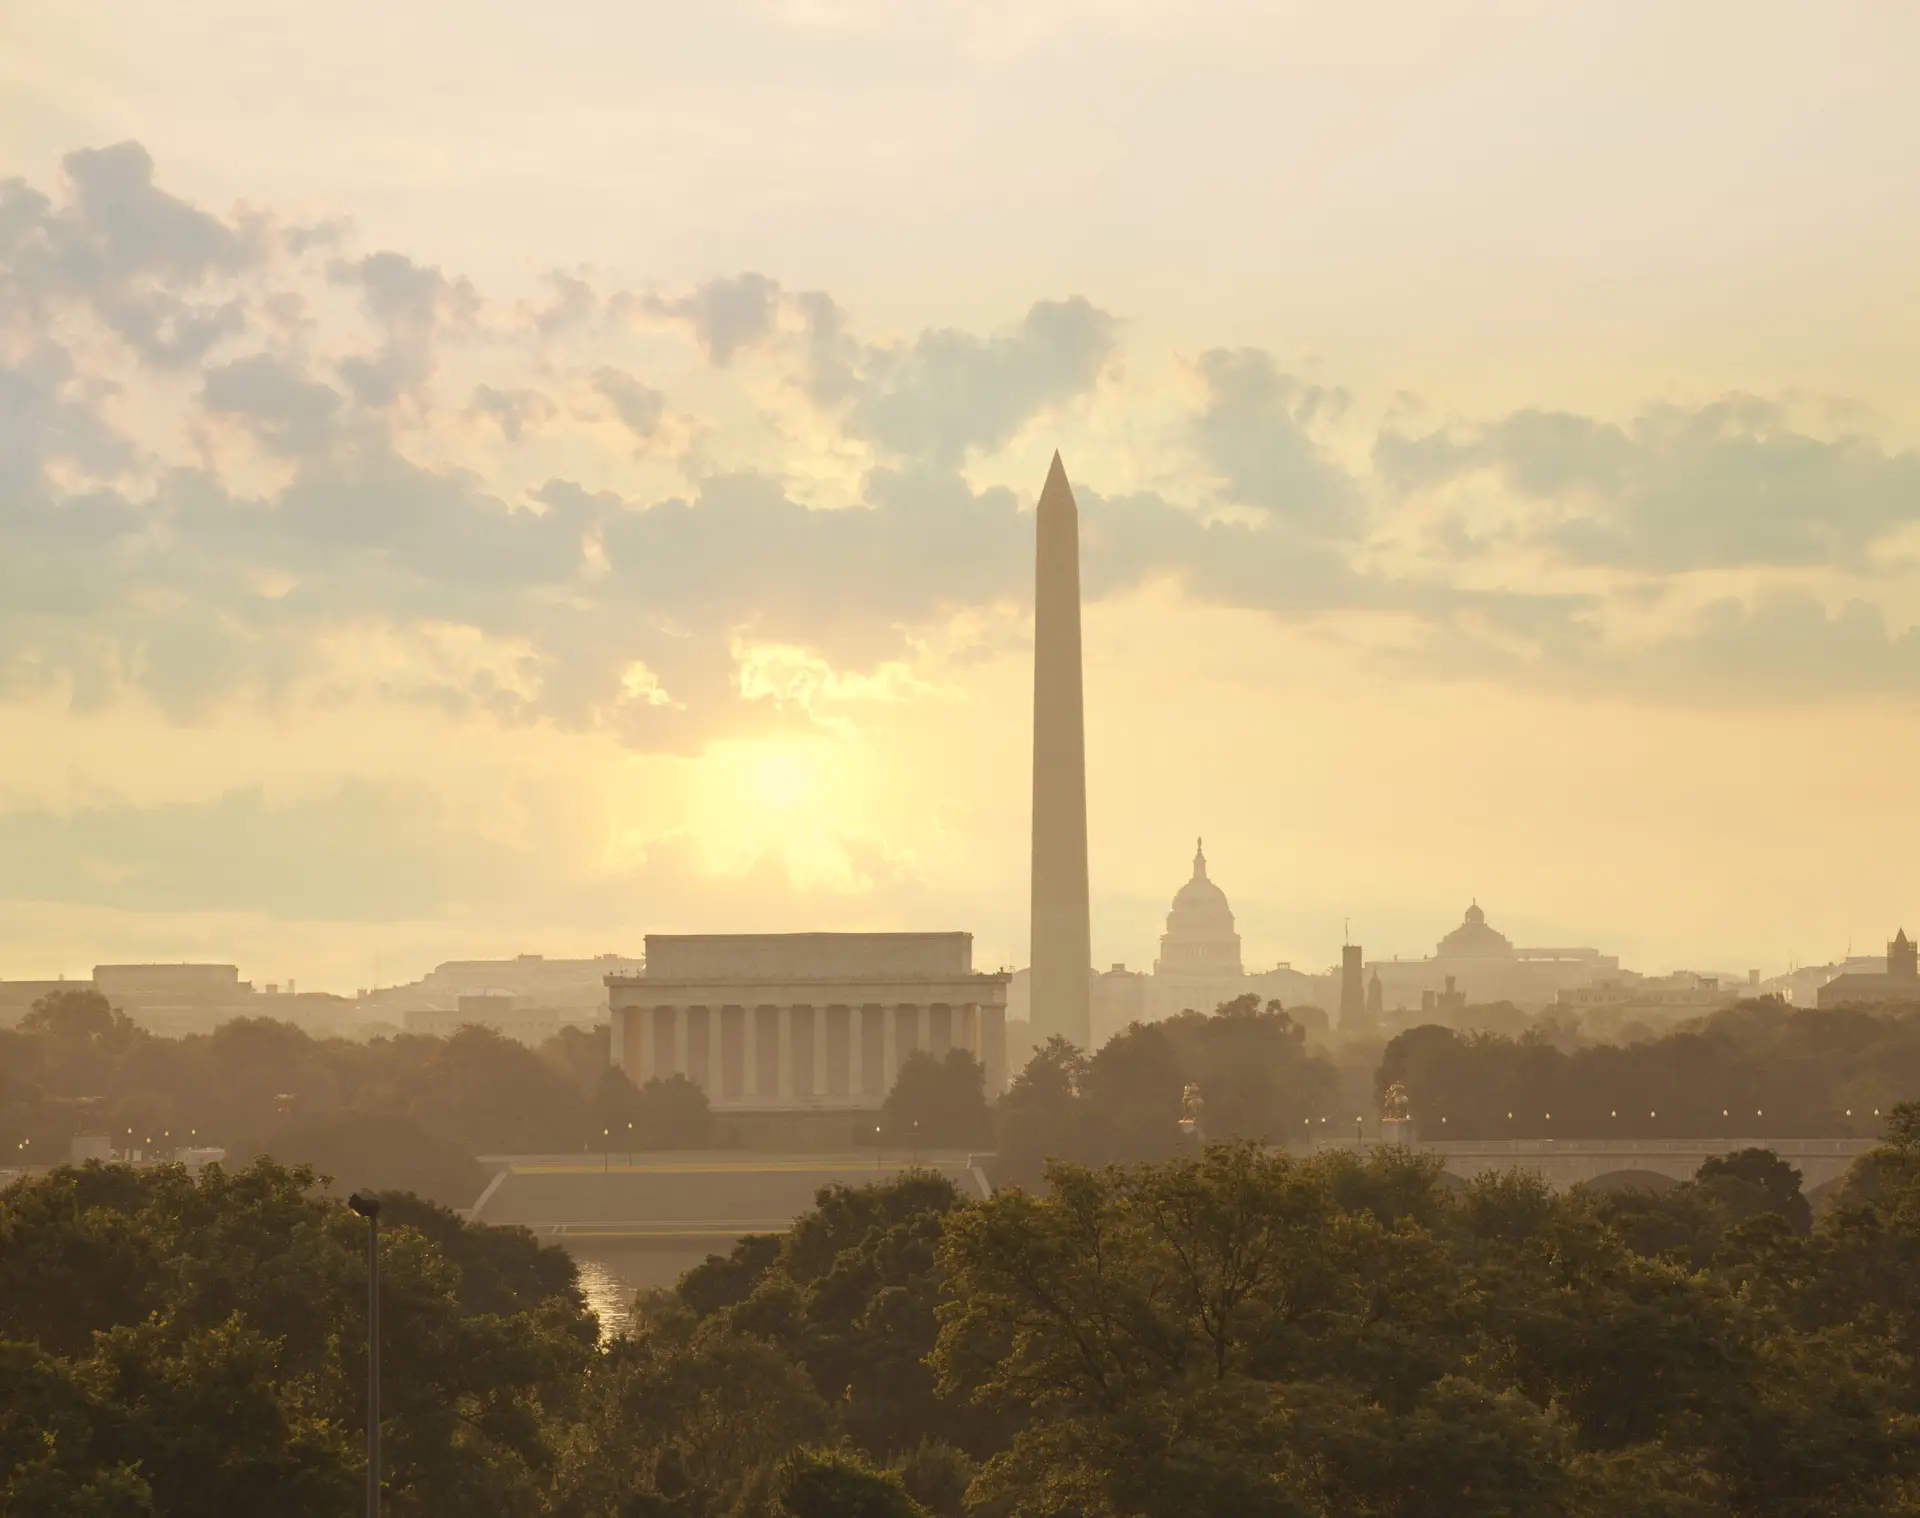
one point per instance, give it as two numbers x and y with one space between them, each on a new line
368 1206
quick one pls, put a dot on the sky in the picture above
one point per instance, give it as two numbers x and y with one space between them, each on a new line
486 479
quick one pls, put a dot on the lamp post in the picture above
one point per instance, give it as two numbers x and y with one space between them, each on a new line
368 1206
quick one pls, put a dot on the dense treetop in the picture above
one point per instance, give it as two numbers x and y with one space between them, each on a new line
1231 1331
1760 1069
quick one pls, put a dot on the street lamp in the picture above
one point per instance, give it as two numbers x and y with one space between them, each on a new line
367 1204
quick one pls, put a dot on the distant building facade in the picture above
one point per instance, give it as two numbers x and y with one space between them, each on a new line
804 1020
531 978
1898 984
1482 964
1682 989
494 1011
176 999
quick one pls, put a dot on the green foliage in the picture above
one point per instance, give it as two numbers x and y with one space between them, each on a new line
684 1418
1244 1333
1246 1066
81 1017
200 1339
670 1114
1760 1069
383 1151
852 1295
937 1475
1696 1222
837 1484
1225 1332
937 1103
255 1085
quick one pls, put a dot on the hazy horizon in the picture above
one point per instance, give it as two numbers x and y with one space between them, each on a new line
475 482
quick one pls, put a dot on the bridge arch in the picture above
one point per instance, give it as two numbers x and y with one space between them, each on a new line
1652 1182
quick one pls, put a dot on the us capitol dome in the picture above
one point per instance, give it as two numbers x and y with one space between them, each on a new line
1201 943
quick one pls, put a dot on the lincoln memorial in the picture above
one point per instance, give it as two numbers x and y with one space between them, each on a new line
788 1021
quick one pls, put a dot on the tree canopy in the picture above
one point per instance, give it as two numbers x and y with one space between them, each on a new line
1761 1069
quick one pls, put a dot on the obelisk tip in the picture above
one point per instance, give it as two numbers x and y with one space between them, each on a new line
1056 491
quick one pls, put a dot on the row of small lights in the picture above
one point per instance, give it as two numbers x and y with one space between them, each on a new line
165 1133
1548 1116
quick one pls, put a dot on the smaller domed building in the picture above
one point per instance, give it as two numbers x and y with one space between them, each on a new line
1479 963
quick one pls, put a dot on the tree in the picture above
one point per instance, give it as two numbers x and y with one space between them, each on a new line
383 1151
851 1293
937 1103
683 1418
1245 1333
1039 1116
835 1484
1252 1069
671 1114
207 1332
77 1017
1759 1069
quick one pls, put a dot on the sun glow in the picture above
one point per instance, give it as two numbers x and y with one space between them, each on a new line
782 781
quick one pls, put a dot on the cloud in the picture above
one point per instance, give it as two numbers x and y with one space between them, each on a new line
573 303
947 394
289 412
1727 484
639 406
513 411
373 568
1255 434
726 315
412 304
139 228
133 253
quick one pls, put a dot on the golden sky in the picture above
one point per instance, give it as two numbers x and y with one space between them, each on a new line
486 478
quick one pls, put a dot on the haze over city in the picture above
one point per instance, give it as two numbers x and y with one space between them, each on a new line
959 759
497 480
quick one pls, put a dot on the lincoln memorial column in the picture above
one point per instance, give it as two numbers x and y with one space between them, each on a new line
856 1051
923 1036
680 1065
889 1048
786 1054
749 1052
642 1042
616 1038
820 1052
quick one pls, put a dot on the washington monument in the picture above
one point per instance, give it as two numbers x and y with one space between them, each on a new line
1062 936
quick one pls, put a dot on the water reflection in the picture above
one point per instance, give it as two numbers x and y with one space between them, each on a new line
614 1272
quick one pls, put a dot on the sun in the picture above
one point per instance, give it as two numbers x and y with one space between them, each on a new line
782 780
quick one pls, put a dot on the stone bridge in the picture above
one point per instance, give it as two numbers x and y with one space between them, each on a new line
1564 1163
